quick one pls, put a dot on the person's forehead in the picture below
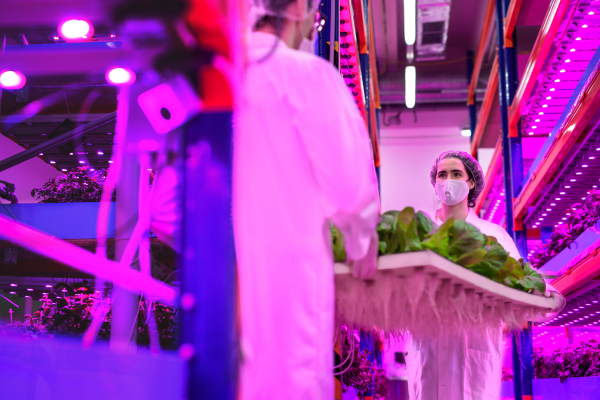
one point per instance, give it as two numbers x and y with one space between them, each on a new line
449 164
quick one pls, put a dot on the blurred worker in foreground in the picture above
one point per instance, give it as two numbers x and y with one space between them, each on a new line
466 367
302 158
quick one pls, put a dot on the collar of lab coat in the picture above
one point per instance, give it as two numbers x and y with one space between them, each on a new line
472 218
260 40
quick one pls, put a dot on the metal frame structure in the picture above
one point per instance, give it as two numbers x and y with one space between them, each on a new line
207 301
572 109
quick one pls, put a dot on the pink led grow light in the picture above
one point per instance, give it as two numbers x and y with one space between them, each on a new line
349 61
12 80
76 30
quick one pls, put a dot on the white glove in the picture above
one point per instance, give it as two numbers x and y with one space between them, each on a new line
366 267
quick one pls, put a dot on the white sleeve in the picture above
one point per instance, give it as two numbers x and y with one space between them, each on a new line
337 143
509 244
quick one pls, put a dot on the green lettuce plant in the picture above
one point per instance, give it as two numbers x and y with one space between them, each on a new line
458 241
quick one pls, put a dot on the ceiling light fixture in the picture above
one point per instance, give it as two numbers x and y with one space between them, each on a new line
410 76
410 22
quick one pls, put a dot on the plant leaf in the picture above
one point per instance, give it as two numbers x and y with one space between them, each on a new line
464 238
438 242
424 225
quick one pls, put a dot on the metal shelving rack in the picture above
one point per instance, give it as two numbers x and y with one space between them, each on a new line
557 98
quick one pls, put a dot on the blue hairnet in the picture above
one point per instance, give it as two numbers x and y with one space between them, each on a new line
472 167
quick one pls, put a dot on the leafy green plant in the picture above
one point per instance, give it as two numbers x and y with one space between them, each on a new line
462 243
78 185
572 362
72 315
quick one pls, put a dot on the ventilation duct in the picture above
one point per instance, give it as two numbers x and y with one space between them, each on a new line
433 17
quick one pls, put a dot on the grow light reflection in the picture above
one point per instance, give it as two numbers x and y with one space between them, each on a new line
562 71
13 284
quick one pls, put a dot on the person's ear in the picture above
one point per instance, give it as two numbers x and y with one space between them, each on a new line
471 183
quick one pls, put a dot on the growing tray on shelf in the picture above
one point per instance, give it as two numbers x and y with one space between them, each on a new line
426 294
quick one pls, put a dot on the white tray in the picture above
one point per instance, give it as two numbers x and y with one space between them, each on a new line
424 292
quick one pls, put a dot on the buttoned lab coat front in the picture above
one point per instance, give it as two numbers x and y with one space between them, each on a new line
468 367
302 157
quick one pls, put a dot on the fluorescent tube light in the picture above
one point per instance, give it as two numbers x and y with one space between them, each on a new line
410 21
410 86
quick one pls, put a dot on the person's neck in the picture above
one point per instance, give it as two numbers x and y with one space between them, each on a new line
458 211
289 33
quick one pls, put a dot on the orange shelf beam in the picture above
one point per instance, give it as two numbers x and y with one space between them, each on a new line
487 25
510 21
543 43
486 107
577 126
490 176
579 275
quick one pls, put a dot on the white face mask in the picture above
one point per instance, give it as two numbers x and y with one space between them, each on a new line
451 192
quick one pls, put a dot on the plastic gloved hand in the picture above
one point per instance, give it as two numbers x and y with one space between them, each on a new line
367 266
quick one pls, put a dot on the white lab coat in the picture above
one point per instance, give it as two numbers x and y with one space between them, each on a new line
468 367
302 157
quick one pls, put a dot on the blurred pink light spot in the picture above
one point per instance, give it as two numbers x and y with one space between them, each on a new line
120 76
12 80
74 30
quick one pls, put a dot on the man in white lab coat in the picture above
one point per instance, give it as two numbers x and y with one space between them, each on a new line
302 158
468 367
